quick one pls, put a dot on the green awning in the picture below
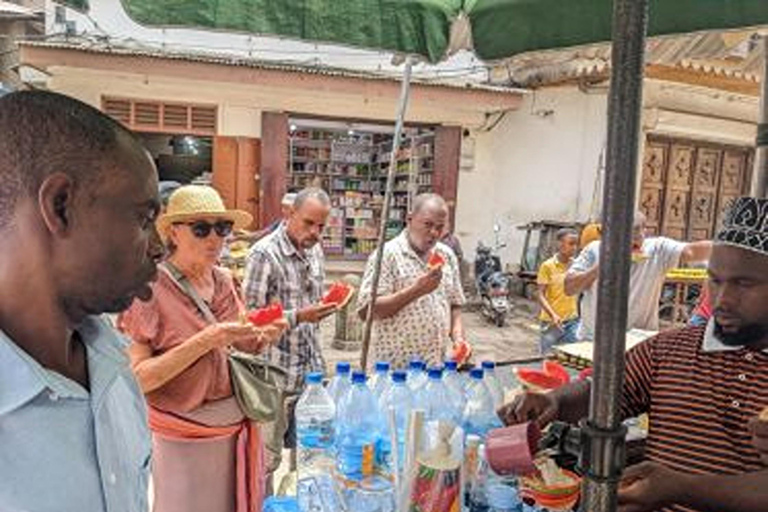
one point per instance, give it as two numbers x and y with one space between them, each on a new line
410 26
500 28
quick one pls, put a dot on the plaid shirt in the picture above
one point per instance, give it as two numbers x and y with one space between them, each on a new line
277 271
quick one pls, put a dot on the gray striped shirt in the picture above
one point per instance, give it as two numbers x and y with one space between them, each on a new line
278 271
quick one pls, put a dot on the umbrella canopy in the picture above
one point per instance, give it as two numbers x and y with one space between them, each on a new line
500 28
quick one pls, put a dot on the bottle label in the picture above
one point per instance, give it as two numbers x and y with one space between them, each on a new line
369 459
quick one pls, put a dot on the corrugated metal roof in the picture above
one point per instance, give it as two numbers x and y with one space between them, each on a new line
733 54
11 10
138 49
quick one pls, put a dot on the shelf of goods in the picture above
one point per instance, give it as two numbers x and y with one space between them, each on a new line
352 168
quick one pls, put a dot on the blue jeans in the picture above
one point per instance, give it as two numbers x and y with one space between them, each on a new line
551 335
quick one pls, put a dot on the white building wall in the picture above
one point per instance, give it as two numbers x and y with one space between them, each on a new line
539 162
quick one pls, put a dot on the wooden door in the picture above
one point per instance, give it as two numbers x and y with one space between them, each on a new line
236 173
686 185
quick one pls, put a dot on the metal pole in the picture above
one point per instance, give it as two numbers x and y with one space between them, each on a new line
404 92
761 146
603 454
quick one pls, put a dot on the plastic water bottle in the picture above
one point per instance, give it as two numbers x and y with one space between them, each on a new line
380 380
479 412
438 402
359 436
397 397
416 375
315 415
454 382
340 383
502 495
493 383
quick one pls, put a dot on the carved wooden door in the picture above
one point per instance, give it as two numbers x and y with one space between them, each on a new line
686 185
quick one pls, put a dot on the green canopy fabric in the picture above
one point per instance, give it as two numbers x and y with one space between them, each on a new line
500 28
419 27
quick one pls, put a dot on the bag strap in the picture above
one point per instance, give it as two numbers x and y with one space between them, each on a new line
180 280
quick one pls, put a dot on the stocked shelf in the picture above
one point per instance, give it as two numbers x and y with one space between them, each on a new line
352 167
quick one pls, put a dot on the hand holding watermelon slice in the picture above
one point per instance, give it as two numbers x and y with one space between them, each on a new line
266 315
339 294
461 352
435 260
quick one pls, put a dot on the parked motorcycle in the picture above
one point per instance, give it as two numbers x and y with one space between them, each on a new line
492 283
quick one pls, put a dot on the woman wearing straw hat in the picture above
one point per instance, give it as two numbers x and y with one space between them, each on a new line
207 456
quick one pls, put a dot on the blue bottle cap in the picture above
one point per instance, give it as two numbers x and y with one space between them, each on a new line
314 378
358 377
435 373
382 366
451 365
417 365
343 368
399 376
489 365
476 373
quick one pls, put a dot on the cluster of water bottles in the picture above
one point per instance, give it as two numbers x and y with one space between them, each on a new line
346 460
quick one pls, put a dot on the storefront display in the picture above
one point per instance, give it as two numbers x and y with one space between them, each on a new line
352 165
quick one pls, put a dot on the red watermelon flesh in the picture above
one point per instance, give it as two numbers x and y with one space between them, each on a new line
537 379
266 315
435 260
338 293
461 352
555 369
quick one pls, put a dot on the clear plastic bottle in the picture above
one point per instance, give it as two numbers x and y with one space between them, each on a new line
397 397
454 382
493 383
340 382
501 495
438 402
359 436
416 375
479 412
380 380
315 416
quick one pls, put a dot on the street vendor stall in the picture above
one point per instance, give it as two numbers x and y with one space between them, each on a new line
500 29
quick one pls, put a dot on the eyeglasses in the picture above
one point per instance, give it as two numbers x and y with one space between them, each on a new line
201 228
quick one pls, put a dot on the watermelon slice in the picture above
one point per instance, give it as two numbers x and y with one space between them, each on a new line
435 260
555 369
537 379
461 352
339 294
265 315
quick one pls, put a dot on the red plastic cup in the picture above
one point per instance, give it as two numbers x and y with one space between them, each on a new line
511 450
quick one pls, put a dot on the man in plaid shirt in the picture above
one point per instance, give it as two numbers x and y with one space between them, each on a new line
287 267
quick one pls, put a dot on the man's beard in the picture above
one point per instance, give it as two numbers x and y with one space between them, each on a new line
747 335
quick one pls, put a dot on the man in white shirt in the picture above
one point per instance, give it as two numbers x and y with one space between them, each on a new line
652 258
78 202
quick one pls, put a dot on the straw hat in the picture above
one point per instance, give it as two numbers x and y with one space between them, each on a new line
192 202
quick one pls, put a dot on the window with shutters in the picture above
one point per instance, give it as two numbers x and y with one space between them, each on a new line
154 116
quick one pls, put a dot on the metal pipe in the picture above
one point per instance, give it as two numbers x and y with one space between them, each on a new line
605 443
761 146
404 93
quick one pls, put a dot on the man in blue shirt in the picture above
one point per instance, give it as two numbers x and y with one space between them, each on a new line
78 201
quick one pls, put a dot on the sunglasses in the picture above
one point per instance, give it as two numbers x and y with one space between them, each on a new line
201 228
